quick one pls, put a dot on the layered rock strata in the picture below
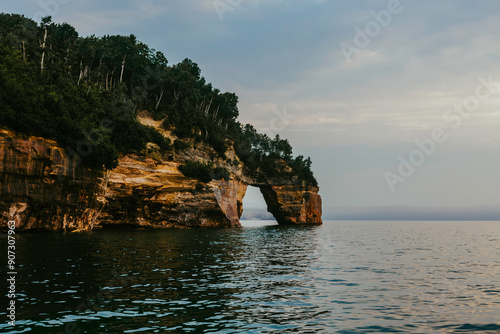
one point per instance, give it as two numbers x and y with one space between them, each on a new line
42 187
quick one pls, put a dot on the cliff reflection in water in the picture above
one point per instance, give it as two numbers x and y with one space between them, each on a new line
340 277
129 279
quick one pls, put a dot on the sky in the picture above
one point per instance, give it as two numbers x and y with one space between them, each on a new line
397 102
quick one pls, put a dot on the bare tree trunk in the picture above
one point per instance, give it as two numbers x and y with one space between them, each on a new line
81 73
43 47
159 100
111 79
208 107
215 114
123 67
177 94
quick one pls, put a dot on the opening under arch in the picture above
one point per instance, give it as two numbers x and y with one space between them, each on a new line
255 209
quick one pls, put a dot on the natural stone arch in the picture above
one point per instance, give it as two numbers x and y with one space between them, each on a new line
289 204
293 204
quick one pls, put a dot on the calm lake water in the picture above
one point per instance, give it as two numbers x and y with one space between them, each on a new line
341 277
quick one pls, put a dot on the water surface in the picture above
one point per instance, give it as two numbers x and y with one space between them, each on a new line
341 277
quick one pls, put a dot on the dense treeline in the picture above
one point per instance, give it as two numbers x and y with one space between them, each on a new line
85 92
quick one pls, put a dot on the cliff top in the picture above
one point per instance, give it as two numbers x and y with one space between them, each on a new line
85 93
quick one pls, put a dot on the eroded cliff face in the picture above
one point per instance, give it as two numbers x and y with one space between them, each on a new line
149 193
293 204
42 188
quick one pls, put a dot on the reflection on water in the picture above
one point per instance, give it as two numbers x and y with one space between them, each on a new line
345 277
258 223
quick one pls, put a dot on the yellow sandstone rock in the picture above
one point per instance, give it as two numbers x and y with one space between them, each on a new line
43 187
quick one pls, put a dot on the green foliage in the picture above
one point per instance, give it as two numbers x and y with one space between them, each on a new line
85 106
302 167
204 172
84 92
220 173
218 144
270 157
197 170
180 145
157 138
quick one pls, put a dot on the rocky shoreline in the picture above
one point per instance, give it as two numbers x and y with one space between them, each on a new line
43 188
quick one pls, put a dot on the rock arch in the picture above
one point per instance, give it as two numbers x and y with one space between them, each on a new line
289 204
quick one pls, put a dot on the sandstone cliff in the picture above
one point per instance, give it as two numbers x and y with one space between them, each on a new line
44 188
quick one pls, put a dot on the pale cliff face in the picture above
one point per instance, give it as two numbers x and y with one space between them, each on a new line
149 193
42 188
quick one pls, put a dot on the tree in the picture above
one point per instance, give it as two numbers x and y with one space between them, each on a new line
56 84
46 21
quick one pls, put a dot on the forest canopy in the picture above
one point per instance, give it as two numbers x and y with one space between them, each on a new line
57 84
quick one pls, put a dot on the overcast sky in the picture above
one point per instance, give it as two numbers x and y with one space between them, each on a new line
353 84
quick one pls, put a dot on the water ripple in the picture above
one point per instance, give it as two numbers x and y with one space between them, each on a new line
342 277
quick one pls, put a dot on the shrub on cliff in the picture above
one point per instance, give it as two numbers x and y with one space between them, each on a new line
203 172
196 170
157 138
220 173
180 145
